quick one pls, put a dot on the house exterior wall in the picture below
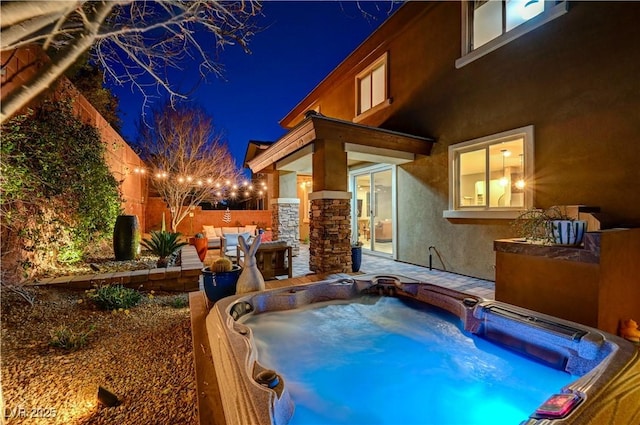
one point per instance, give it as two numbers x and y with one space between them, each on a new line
574 79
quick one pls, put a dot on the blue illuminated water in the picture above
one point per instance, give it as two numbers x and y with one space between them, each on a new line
393 362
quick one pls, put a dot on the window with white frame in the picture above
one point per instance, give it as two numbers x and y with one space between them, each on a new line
371 86
490 176
490 24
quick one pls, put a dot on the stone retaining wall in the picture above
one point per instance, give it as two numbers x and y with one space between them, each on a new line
183 278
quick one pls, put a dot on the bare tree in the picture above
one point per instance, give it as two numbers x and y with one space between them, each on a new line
136 42
190 163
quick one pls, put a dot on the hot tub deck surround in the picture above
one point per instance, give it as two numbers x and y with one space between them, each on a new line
608 389
185 277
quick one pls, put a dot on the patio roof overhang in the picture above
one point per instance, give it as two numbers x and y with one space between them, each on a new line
293 151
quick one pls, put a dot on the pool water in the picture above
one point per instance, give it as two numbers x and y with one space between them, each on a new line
381 360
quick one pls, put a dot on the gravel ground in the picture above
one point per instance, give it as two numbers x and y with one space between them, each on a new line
143 355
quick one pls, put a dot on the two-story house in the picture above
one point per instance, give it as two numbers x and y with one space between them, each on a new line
453 117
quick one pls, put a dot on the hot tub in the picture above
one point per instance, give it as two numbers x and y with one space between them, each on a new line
607 368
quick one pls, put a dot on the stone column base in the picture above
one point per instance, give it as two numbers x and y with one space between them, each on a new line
285 214
330 232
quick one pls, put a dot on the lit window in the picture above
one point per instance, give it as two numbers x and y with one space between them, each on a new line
371 86
491 24
491 176
494 18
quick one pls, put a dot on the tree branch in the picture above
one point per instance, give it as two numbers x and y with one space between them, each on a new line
53 70
137 42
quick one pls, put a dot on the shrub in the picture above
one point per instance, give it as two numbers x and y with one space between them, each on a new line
68 339
179 301
114 297
58 194
163 244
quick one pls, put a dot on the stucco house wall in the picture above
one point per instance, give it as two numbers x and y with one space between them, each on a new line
574 79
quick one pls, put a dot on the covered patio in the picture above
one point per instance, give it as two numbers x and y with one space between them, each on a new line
326 148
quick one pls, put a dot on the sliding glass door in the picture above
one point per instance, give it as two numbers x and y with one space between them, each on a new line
374 208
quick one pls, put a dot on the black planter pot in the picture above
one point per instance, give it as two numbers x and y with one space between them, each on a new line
126 237
356 258
221 284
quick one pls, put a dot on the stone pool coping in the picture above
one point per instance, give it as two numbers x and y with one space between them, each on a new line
183 278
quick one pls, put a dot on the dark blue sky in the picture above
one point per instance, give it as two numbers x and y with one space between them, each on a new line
299 44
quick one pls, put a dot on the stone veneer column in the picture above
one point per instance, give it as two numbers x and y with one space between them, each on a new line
285 214
330 232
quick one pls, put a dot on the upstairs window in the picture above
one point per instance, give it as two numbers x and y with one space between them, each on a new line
490 24
494 18
491 176
371 87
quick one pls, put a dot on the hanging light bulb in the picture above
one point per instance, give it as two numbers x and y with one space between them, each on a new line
503 180
520 184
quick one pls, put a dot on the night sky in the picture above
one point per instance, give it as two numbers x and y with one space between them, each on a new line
299 44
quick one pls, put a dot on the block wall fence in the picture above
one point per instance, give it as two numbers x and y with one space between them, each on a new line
22 64
122 160
191 225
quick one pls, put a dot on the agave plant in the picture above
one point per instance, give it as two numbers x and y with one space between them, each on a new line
163 244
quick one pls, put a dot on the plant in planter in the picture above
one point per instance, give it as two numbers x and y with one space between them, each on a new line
164 245
199 241
220 279
550 226
356 256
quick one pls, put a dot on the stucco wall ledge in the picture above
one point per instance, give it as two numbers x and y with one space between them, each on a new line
329 194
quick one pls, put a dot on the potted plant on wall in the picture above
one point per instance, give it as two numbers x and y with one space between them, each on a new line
220 279
551 226
200 242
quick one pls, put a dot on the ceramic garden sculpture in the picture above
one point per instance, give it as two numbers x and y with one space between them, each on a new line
251 279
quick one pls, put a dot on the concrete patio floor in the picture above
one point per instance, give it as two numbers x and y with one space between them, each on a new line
375 264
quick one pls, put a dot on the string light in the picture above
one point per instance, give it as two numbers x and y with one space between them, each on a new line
222 190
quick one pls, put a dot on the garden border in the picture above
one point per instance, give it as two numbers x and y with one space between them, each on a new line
183 278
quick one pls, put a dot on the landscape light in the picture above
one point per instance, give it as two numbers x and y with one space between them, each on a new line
107 398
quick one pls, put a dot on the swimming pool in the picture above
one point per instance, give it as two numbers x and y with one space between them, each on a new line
605 368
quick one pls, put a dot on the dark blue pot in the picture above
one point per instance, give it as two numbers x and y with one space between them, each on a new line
220 285
356 258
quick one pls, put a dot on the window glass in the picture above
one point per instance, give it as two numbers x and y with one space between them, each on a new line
473 173
365 93
491 172
504 163
378 94
487 22
520 11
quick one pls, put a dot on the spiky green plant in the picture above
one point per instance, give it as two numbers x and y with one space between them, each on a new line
68 338
163 244
114 297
